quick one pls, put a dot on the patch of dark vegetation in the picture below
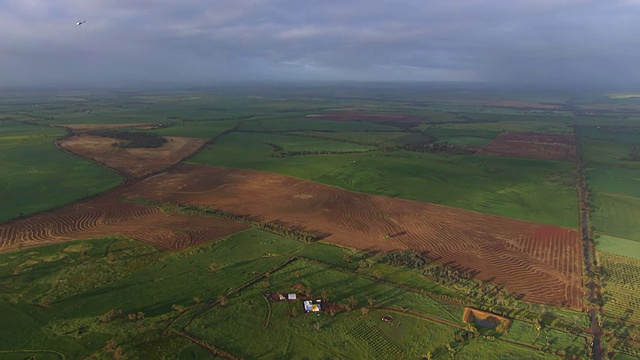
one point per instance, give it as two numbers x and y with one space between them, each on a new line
635 153
270 226
132 139
409 258
437 148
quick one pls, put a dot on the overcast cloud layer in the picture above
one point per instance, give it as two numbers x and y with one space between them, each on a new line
209 41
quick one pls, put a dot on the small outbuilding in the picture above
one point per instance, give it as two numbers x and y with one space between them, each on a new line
312 306
292 297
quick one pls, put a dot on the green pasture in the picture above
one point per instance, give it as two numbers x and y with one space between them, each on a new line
358 137
289 332
463 136
52 297
620 181
608 153
311 124
196 129
36 176
610 120
616 215
618 246
528 189
616 134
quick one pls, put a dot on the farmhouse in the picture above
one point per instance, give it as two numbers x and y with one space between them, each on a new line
312 306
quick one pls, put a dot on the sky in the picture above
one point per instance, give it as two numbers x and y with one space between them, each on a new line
555 42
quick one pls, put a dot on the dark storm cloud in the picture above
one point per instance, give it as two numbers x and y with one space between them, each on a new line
532 41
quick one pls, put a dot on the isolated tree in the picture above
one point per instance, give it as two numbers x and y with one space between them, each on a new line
352 301
222 300
377 274
178 307
364 310
298 272
371 301
197 299
213 267
347 258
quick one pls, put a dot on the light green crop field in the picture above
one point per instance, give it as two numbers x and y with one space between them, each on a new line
608 153
311 124
615 180
36 176
519 188
618 246
380 138
616 215
196 129
615 134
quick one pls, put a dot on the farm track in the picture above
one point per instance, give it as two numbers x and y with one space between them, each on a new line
543 262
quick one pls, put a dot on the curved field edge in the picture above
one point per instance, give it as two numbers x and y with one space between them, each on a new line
535 190
36 176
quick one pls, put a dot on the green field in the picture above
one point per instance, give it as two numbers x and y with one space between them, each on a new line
380 138
463 136
197 129
518 188
616 215
36 176
614 180
616 134
311 124
618 246
598 152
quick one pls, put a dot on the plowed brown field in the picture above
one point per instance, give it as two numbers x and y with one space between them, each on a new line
533 145
103 216
542 262
131 162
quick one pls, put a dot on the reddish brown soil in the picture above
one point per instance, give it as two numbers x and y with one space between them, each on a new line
131 162
542 262
369 117
533 145
100 217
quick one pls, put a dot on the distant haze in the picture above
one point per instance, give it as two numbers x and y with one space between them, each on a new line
555 42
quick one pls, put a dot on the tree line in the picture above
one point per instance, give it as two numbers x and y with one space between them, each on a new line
270 226
132 139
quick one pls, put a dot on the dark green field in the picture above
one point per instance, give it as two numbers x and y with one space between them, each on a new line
36 176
